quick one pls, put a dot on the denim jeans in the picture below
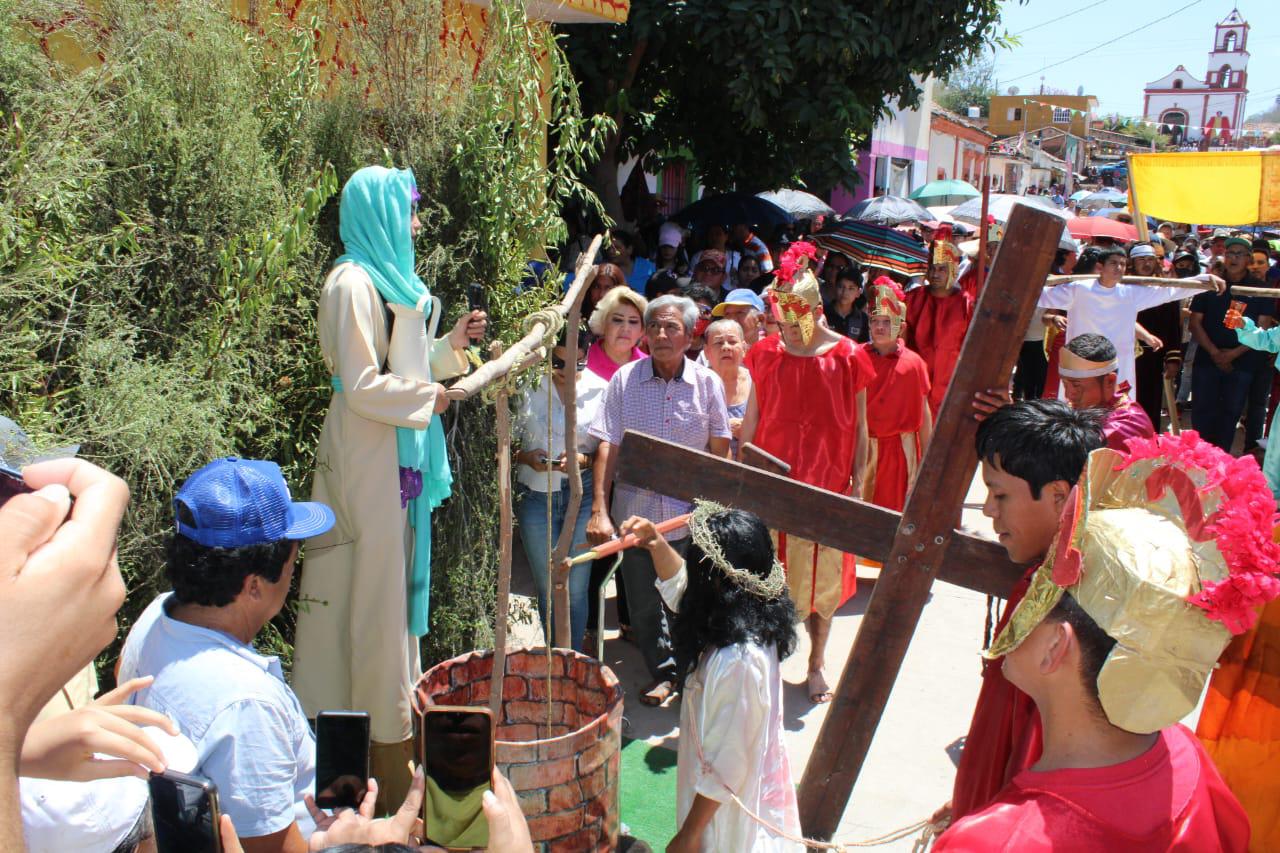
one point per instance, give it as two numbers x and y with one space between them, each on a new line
532 516
1217 401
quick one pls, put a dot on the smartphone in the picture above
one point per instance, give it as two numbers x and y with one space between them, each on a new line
342 758
184 810
476 300
457 757
11 484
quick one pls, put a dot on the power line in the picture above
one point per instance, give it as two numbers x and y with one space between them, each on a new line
1100 46
1060 17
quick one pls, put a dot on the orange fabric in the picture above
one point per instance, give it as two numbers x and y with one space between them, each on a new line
1240 724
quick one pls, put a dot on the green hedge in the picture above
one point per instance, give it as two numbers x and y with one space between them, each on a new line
167 217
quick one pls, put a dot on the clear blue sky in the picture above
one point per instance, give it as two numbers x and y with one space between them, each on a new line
1117 73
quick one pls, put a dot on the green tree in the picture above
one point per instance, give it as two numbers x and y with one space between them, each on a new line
970 85
764 93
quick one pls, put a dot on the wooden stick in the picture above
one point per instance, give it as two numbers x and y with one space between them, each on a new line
751 455
505 518
495 369
559 569
1255 291
933 508
1171 402
613 546
1184 283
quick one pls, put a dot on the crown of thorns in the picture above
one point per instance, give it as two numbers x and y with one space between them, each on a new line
771 586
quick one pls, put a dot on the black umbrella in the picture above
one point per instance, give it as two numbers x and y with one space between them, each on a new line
732 209
888 210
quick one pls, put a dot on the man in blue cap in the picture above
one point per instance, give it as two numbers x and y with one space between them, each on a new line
230 562
746 307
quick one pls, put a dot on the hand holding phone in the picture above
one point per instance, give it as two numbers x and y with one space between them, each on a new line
458 761
342 758
184 810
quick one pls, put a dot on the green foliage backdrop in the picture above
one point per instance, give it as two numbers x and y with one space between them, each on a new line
167 217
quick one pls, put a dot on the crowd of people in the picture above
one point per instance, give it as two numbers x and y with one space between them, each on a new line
1147 553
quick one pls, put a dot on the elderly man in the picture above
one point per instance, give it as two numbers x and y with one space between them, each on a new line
673 398
230 563
746 307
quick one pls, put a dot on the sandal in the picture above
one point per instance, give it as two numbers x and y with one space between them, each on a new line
819 690
657 693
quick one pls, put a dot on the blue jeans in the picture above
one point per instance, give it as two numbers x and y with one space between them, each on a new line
1217 401
532 516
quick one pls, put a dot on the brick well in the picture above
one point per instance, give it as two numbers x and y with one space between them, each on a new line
566 774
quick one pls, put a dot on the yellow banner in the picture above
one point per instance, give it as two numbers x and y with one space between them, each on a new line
1212 188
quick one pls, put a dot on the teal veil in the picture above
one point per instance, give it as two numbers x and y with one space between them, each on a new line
373 222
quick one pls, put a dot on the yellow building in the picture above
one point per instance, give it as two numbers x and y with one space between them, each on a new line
1014 114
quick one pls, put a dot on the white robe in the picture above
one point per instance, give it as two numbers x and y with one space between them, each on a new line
732 709
353 649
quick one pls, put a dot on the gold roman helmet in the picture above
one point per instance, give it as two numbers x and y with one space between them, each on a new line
1169 549
945 253
795 296
887 300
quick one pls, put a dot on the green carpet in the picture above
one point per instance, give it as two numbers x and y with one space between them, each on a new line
648 792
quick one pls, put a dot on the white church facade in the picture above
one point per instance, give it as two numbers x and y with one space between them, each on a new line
1190 109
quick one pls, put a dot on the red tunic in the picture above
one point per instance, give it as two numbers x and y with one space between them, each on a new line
936 326
1168 798
808 418
895 414
1004 736
1126 420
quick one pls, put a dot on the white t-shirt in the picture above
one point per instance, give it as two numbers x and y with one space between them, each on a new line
1108 311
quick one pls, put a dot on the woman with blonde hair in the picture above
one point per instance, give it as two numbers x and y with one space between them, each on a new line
618 326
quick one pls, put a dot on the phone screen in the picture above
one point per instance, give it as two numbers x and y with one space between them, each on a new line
475 297
342 758
457 746
184 810
11 483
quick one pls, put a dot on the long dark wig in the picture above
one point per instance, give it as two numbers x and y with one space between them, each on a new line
716 613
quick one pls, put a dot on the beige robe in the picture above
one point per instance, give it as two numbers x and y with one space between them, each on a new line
353 649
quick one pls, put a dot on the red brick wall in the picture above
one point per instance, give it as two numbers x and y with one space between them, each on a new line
567 775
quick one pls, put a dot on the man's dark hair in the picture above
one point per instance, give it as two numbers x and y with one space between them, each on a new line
213 577
624 237
698 292
1088 261
660 283
1260 245
1040 441
715 612
1095 643
1109 252
1092 347
851 272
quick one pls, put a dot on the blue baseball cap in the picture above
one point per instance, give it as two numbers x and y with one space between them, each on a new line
235 503
741 296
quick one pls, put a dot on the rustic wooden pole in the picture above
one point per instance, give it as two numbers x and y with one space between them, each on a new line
495 369
558 570
932 509
1185 284
505 520
981 272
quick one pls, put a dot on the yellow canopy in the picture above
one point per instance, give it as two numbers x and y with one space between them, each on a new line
1215 188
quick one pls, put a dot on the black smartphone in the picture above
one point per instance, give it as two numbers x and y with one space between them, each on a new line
184 810
11 484
476 299
457 757
342 758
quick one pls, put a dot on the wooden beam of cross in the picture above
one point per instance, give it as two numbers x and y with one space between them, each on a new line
924 544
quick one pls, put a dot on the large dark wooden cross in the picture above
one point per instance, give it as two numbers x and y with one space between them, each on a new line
916 546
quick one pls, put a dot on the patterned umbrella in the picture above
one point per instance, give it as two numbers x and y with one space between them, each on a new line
888 210
875 246
937 193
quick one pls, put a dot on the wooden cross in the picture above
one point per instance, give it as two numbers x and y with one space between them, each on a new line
915 546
